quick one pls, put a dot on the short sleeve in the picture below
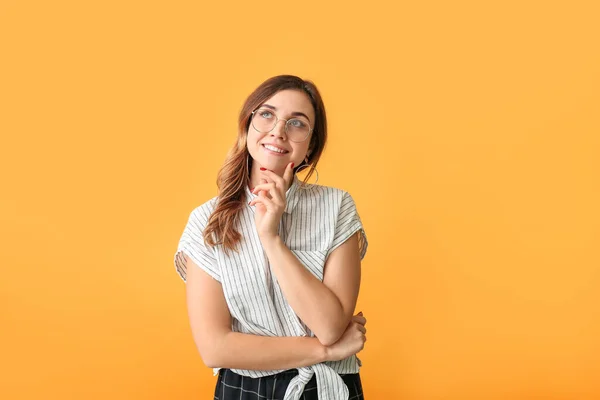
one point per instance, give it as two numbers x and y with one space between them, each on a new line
348 222
191 244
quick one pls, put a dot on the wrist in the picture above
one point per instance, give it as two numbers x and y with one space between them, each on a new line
270 241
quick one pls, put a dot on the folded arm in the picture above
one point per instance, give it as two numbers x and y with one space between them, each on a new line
325 307
219 347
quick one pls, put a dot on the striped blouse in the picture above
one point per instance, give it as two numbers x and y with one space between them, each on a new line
316 220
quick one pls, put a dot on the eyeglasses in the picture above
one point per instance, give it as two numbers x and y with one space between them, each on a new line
297 129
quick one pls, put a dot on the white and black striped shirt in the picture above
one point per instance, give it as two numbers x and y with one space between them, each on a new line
317 219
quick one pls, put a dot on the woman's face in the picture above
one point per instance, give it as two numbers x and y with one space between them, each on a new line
285 104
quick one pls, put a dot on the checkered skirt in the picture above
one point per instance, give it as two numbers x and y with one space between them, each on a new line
233 386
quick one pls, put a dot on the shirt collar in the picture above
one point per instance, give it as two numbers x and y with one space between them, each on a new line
292 195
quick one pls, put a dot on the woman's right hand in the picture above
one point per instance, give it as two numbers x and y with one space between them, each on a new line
352 341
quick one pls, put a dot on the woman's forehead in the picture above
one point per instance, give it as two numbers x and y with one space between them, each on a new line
290 101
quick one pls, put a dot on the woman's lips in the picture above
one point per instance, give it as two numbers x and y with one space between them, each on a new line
273 152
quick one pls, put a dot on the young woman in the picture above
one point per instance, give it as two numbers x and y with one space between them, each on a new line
272 264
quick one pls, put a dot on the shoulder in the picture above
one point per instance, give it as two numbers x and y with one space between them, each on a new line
327 194
322 190
201 213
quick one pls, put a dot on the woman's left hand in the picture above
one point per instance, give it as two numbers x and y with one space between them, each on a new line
269 210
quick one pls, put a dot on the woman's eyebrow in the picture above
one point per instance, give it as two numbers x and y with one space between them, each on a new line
294 114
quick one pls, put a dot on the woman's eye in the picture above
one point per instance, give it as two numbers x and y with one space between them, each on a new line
266 114
296 123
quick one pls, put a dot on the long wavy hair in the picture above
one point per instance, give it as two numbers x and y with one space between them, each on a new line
235 172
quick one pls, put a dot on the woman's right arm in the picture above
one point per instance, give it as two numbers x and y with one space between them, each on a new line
220 347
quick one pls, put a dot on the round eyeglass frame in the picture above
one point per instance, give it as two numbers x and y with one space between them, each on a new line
277 119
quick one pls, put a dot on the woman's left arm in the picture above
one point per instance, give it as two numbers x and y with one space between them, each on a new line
325 307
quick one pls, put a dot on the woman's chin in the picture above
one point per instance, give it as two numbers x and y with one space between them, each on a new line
277 166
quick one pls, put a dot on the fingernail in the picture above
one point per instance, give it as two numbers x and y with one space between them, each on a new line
292 165
360 313
263 169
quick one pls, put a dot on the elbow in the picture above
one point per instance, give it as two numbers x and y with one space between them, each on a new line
331 332
330 336
209 358
210 363
214 358
327 340
211 351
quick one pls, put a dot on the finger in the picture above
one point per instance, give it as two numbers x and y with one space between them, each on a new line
278 192
264 186
269 189
288 175
360 320
265 201
263 193
279 181
361 314
362 329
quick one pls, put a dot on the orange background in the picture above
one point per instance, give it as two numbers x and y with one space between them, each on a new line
467 132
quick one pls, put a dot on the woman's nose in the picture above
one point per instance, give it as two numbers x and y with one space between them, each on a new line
279 129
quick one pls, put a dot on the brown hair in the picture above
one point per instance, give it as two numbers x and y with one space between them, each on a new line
235 172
